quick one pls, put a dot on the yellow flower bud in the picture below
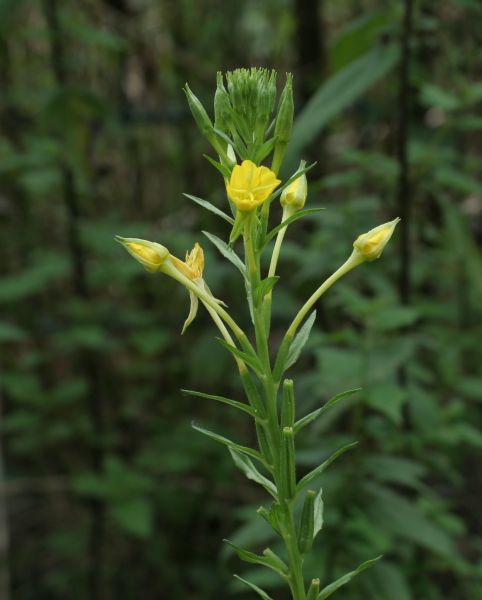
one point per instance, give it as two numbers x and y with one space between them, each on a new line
250 185
370 245
149 254
293 197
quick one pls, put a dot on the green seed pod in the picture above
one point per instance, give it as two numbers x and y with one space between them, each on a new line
288 404
287 463
314 590
307 523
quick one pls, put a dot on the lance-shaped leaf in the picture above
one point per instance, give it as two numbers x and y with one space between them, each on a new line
264 287
307 479
316 413
267 559
263 151
246 465
229 443
208 206
298 215
251 359
330 589
217 165
261 593
226 251
300 340
239 405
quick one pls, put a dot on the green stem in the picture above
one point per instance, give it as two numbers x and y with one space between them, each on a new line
271 448
295 559
353 261
267 300
208 300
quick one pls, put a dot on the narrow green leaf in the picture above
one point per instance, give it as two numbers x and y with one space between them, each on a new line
239 405
298 215
307 479
300 340
269 559
265 286
306 420
208 206
217 165
250 359
330 589
229 443
265 149
247 467
261 593
276 561
226 251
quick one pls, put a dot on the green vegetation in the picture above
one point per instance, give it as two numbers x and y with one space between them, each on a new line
109 492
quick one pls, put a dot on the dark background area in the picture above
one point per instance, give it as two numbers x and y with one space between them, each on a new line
105 490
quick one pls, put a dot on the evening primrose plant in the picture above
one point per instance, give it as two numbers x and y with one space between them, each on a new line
248 130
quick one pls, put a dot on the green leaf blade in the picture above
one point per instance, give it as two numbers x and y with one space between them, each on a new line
309 418
299 341
234 403
208 206
227 252
307 479
333 587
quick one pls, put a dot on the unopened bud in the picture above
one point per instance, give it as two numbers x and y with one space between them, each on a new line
150 254
370 245
294 195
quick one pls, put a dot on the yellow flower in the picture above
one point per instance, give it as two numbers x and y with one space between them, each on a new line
370 245
149 254
250 185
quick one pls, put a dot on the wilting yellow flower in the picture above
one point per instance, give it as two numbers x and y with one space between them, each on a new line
370 245
149 254
294 196
193 266
155 257
249 185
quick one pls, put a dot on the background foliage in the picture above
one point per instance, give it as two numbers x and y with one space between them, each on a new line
105 491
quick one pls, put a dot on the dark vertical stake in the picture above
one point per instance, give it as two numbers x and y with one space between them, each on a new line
80 287
404 191
310 46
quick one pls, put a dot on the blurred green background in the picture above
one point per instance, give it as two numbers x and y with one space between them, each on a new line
105 490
